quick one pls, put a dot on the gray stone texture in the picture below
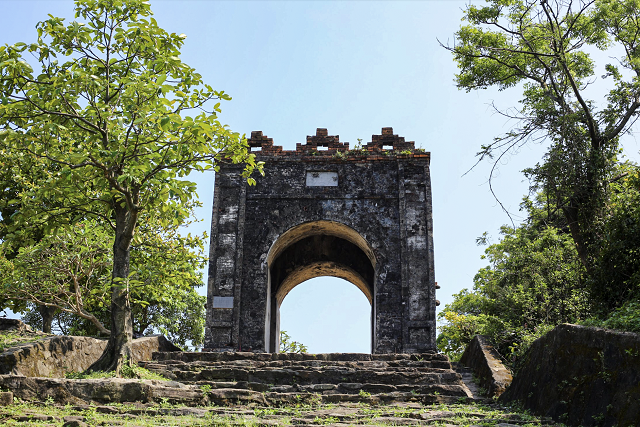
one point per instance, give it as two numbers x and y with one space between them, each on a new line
485 363
106 390
289 378
6 398
54 356
364 216
582 377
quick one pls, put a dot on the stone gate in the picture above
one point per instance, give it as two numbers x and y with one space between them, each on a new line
363 215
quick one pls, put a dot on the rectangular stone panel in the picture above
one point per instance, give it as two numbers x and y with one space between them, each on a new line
322 179
418 336
222 302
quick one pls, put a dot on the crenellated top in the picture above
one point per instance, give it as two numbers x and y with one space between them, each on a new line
322 145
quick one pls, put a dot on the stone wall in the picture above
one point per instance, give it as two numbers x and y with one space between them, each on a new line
485 363
581 376
54 356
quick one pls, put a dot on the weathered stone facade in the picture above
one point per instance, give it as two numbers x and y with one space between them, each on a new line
581 376
363 215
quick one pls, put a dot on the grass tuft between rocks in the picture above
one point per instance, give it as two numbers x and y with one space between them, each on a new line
128 371
10 339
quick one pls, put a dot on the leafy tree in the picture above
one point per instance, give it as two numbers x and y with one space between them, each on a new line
533 283
544 49
63 271
107 111
70 273
616 278
9 190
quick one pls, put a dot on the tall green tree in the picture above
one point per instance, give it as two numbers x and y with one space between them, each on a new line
543 49
69 273
108 109
534 281
617 269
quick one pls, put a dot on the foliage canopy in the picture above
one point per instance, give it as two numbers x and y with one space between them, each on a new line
586 206
104 115
545 48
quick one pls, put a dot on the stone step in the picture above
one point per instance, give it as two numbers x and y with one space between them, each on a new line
281 399
340 414
282 379
331 375
117 390
342 388
292 364
265 357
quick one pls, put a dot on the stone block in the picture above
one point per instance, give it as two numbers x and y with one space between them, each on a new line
485 363
53 357
6 398
581 376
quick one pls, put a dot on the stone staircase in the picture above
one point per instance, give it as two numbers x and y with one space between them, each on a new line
275 379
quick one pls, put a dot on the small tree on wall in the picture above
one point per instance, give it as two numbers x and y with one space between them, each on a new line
104 117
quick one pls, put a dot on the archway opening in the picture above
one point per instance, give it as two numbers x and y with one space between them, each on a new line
311 250
328 315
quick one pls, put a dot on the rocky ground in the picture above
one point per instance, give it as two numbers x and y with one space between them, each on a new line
363 410
130 415
14 332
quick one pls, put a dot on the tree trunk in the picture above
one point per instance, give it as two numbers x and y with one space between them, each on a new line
47 313
571 215
118 350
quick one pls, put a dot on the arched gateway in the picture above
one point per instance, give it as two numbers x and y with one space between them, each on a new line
323 210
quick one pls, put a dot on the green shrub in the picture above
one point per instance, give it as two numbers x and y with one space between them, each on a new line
625 318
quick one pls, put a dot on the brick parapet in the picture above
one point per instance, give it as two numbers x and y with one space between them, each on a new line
384 147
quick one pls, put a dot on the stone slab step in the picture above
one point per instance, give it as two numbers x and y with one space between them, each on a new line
330 375
342 388
282 399
119 390
291 364
342 414
345 357
103 390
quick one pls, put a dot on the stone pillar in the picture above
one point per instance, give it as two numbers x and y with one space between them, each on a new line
418 278
225 261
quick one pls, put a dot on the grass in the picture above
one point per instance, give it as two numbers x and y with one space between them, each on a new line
10 339
134 414
128 371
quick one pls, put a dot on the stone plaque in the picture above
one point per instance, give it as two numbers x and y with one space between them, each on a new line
222 302
322 179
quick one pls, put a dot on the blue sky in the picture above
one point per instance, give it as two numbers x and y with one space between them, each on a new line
352 67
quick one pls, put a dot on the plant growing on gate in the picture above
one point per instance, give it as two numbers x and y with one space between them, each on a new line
287 345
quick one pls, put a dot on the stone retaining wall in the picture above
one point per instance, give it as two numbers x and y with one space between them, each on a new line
485 363
54 356
581 376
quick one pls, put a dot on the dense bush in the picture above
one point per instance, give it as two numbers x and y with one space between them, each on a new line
626 318
535 279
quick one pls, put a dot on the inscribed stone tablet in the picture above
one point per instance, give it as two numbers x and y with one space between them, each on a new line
222 302
322 179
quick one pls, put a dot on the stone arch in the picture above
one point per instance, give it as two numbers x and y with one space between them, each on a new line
364 211
313 249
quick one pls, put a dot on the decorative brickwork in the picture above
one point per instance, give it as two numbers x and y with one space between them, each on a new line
361 214
322 145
